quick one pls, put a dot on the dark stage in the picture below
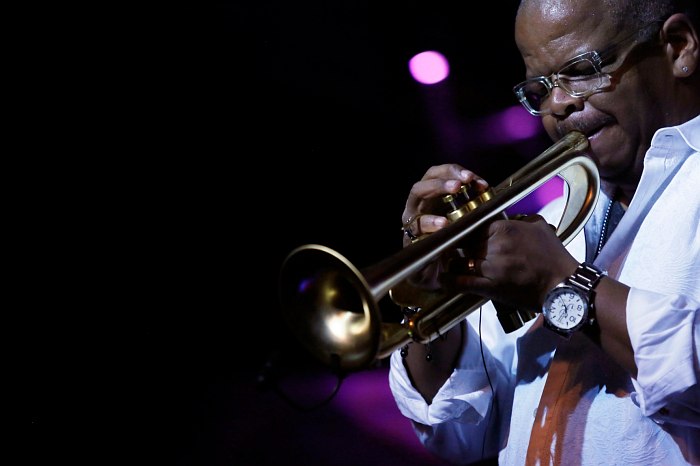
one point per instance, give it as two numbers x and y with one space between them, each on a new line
245 131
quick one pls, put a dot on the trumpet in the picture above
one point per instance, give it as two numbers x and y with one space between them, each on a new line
332 306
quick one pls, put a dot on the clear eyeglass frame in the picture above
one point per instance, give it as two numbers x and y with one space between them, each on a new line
579 77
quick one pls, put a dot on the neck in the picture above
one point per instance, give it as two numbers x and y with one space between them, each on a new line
618 192
623 198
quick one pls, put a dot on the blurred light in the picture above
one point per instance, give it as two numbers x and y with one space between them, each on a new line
429 67
518 124
366 400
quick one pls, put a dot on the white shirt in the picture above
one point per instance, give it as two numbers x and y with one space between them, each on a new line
653 420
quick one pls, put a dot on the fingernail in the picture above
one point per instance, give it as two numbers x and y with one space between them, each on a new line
440 222
464 174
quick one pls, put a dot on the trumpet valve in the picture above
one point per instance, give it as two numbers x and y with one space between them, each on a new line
464 201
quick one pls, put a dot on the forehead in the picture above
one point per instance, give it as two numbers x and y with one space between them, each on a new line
548 33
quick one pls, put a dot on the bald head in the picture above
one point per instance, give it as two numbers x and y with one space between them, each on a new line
557 21
549 10
541 24
622 13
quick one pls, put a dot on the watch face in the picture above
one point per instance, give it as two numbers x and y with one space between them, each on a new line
565 308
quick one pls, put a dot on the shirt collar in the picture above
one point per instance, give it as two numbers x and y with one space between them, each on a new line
672 137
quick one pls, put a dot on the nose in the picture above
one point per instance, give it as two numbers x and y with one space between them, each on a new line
561 103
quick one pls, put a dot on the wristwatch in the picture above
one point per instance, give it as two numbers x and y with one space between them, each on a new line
568 307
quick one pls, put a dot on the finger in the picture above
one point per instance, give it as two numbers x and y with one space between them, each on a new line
532 218
466 283
453 171
536 218
429 224
446 179
416 227
471 266
431 189
458 264
424 199
438 181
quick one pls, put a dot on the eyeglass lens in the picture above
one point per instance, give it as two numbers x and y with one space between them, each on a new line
577 79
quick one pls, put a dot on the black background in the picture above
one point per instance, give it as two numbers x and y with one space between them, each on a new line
223 137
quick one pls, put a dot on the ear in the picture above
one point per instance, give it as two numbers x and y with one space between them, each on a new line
682 46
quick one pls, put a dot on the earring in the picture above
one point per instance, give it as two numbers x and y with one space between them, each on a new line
685 69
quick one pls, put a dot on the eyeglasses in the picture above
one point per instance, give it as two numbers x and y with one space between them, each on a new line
580 77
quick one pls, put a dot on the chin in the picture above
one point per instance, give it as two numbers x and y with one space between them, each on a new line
609 152
617 176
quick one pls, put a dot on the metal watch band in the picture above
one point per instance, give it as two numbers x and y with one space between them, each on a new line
586 276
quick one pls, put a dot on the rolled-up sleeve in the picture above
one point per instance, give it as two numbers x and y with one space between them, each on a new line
665 335
465 396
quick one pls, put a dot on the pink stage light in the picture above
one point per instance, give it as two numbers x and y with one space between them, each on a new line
518 125
429 67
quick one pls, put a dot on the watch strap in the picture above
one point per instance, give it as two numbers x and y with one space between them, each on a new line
586 276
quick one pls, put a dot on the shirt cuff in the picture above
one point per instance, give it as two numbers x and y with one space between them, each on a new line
465 395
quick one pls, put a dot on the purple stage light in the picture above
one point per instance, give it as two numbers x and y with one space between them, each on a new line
366 401
429 67
516 124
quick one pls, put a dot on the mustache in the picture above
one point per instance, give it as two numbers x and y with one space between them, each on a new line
587 126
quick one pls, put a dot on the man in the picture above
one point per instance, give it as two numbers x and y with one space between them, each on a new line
621 387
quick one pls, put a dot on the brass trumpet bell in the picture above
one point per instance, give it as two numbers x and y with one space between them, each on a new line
332 307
